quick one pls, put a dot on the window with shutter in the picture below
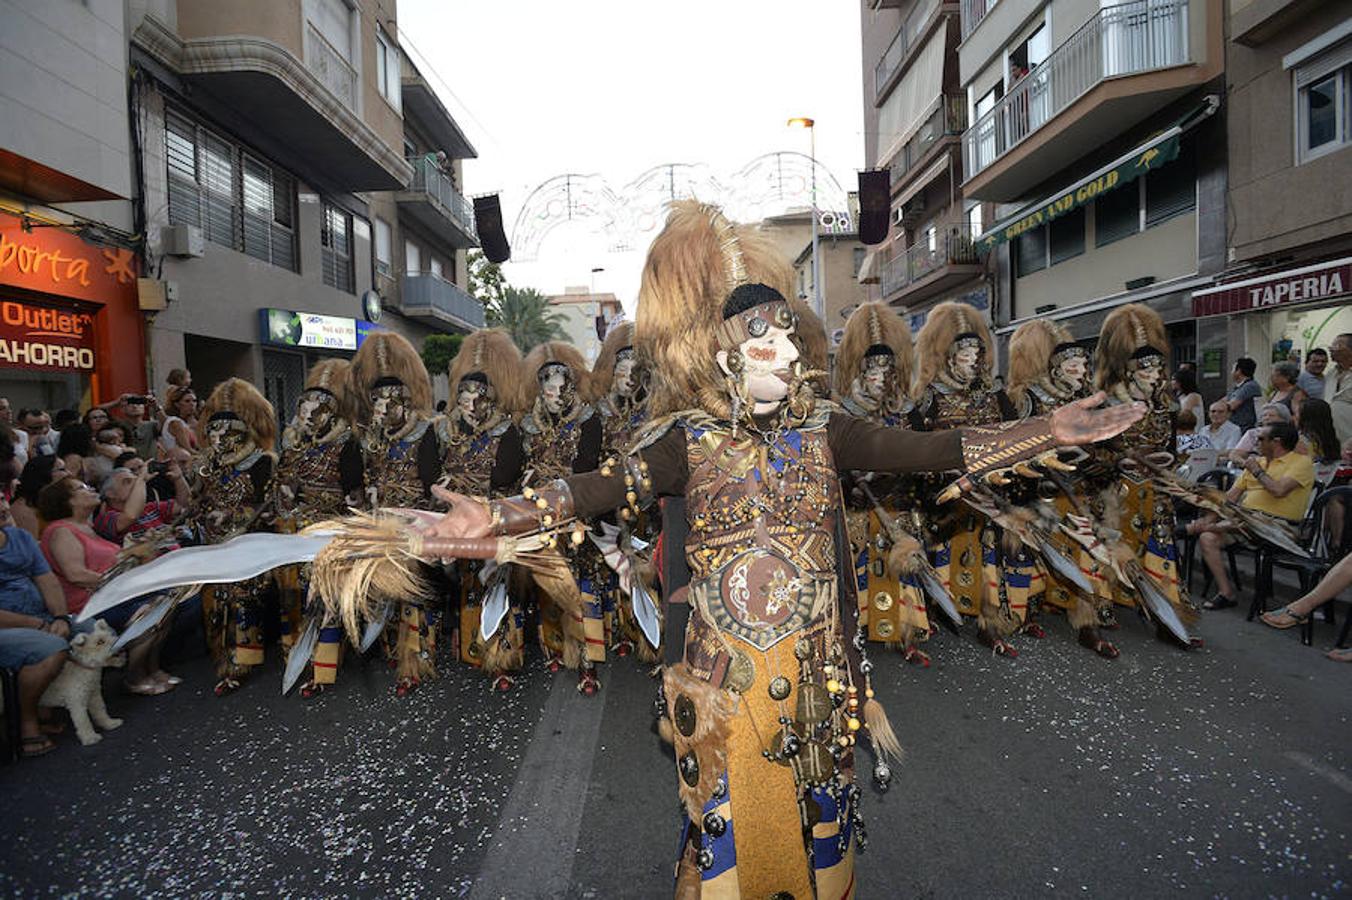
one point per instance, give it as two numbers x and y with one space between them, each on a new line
1171 190
1067 236
1117 214
1030 252
335 240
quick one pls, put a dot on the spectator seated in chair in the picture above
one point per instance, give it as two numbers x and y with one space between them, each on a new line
1297 612
1188 439
127 507
1271 414
1220 431
39 472
1278 482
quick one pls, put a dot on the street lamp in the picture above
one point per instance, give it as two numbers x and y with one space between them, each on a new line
810 125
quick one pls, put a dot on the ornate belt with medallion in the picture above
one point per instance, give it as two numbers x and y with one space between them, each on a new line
762 598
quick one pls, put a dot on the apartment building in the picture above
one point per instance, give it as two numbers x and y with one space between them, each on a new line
1288 281
585 317
1094 156
915 115
71 328
293 195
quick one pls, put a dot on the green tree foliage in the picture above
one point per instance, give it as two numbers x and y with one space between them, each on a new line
524 313
438 350
486 281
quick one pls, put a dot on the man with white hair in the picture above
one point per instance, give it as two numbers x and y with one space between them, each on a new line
1271 414
1338 385
1222 433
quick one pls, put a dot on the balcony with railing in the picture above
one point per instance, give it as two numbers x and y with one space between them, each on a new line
1116 44
973 11
908 36
938 261
433 201
328 65
436 301
947 119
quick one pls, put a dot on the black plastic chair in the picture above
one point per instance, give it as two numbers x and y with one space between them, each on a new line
1221 480
9 682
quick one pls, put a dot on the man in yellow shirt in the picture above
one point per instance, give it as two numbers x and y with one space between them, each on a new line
1278 482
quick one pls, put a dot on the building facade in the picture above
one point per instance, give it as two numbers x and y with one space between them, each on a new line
1287 288
71 327
1095 148
292 195
585 317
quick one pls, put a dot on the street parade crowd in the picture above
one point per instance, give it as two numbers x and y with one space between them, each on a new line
714 495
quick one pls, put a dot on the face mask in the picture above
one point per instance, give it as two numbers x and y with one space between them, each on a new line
389 406
558 388
314 413
474 399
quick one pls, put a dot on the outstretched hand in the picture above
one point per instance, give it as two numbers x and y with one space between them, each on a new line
1081 422
468 518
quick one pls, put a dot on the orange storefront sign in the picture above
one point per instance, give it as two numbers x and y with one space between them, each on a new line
66 303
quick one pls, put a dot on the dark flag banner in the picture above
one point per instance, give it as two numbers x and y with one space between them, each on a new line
488 221
874 198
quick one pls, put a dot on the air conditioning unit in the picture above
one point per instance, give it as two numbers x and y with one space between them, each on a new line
182 240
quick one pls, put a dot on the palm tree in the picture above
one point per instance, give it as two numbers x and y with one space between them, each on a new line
525 314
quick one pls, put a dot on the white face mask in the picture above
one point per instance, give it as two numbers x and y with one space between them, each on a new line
767 367
388 411
963 364
1071 372
313 415
876 380
557 389
473 401
1144 380
625 380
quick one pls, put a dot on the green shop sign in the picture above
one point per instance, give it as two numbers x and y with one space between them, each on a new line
1123 172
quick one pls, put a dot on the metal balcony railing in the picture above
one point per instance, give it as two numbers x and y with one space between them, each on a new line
436 184
1126 39
973 11
424 291
329 66
947 245
901 45
947 118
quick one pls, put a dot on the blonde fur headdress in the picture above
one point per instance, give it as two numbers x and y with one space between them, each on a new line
942 327
692 266
334 376
492 352
1030 353
1127 330
235 395
386 354
814 345
554 352
870 324
603 373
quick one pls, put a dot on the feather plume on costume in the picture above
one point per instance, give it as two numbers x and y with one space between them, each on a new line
814 347
335 376
554 352
884 737
603 370
870 324
942 327
386 354
691 267
492 352
243 399
1030 352
1126 330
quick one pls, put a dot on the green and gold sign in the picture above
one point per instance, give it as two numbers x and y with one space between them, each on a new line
1152 157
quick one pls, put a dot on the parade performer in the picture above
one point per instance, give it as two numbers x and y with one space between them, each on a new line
402 459
873 379
319 476
484 458
1047 370
237 427
620 382
1130 367
766 705
561 435
954 388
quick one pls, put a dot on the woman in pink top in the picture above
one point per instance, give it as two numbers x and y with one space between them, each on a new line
79 557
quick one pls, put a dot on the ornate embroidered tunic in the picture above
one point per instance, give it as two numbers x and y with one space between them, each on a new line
320 474
559 448
480 462
234 489
402 471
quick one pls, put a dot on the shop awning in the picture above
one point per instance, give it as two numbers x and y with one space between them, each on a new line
1152 154
1320 281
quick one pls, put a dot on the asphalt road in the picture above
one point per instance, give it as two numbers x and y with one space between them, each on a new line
1224 771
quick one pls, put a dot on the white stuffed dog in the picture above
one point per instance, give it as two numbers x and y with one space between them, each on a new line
79 686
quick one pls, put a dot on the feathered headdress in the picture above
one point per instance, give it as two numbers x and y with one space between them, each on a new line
335 377
1031 349
493 353
870 327
945 324
237 398
387 355
603 372
1129 332
692 266
553 352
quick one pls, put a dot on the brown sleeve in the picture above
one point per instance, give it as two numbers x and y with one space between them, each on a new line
859 444
595 494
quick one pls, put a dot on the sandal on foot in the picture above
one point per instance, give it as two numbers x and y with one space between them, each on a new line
226 686
1034 630
1340 654
1220 601
918 657
148 688
1283 618
38 745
